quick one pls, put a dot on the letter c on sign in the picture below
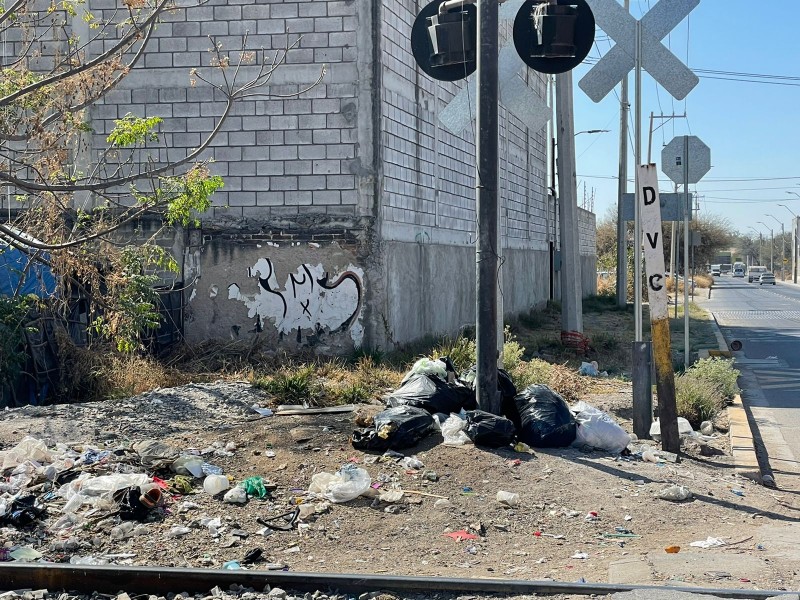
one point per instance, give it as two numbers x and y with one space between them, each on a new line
649 195
655 282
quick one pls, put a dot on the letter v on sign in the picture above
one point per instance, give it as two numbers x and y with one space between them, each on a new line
654 247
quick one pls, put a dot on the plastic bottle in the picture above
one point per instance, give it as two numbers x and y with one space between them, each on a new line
214 484
509 499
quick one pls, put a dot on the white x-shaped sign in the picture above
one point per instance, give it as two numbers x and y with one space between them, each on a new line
515 95
657 60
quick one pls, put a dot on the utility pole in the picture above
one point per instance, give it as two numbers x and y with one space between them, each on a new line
783 247
571 309
687 351
486 186
637 225
622 226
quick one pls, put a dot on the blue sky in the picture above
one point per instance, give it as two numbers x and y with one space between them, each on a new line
753 130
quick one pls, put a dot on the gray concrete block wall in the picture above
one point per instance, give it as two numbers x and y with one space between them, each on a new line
429 173
279 156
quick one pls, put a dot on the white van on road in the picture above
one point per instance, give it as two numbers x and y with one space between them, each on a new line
754 273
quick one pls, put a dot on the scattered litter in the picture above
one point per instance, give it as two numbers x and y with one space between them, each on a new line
461 535
264 412
412 462
347 484
178 531
453 431
707 428
580 556
214 484
442 503
739 493
598 430
590 369
591 516
236 495
508 499
709 542
672 549
684 428
675 493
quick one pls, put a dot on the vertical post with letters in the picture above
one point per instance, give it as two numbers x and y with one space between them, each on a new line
653 243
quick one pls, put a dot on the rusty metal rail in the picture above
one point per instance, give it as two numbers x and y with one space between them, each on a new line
158 580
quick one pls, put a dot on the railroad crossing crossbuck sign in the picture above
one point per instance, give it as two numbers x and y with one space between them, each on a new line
657 60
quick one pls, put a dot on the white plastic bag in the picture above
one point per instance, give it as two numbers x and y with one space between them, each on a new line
598 430
29 449
348 484
684 428
453 431
426 366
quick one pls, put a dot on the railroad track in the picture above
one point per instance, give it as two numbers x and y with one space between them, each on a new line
157 580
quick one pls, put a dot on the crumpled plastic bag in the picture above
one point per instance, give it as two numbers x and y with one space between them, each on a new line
598 430
427 366
453 431
590 369
684 428
28 449
154 453
347 484
254 486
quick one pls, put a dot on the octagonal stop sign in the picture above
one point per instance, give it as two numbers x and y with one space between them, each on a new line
698 158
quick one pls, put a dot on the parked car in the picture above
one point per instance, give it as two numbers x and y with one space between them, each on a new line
766 278
754 273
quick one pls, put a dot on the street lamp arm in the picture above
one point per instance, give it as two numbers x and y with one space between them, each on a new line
789 209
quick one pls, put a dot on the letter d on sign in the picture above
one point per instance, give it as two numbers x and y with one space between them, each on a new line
649 195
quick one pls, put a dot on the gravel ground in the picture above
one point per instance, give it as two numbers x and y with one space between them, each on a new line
574 503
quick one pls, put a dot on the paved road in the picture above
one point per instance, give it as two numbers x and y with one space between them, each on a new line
766 320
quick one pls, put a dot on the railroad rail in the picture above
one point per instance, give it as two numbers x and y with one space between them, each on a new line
111 579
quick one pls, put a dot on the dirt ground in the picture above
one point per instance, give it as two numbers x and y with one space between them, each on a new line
553 532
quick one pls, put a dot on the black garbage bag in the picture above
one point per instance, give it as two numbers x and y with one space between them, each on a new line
433 395
546 419
130 507
397 427
486 429
24 512
507 389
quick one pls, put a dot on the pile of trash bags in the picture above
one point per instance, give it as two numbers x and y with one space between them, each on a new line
432 398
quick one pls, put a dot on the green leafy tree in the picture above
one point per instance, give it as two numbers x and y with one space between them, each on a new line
74 199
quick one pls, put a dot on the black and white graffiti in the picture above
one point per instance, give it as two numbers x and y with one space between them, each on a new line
311 300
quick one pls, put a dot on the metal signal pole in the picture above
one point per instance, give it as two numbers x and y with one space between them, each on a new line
486 188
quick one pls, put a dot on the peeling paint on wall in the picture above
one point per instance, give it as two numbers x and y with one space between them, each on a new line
311 302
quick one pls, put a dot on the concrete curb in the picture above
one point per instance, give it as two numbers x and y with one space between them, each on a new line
743 448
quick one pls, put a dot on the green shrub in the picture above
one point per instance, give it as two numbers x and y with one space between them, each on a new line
719 372
512 350
461 350
698 400
531 372
292 386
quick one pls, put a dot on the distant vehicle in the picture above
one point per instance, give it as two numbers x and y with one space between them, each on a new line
755 272
738 269
766 278
716 270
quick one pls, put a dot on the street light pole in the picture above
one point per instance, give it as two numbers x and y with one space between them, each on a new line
783 248
760 242
772 246
794 238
